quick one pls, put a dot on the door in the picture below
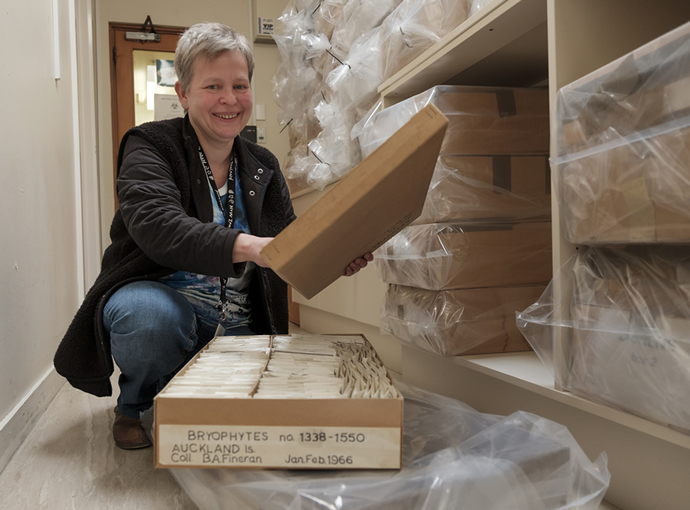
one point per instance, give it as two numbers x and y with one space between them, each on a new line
140 77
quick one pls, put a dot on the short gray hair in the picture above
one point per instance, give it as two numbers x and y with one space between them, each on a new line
209 40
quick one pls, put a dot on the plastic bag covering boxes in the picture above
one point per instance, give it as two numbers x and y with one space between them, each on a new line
460 321
481 120
630 320
451 454
367 207
493 163
290 402
501 188
485 227
442 256
622 145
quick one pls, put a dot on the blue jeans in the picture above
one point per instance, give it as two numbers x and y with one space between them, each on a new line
153 332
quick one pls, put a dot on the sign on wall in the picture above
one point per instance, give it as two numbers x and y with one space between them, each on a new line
265 26
265 15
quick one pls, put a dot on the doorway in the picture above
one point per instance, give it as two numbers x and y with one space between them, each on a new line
141 77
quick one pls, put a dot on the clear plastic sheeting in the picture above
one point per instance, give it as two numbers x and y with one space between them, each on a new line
335 151
636 193
626 324
304 128
328 15
359 17
458 322
451 454
478 5
355 81
622 144
339 52
415 26
391 39
301 87
481 120
643 89
494 188
296 82
298 152
441 256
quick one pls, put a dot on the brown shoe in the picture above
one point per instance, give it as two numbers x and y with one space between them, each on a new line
128 433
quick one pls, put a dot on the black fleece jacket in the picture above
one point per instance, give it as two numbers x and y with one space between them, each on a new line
164 224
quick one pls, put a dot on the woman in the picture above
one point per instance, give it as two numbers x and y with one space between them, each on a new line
197 205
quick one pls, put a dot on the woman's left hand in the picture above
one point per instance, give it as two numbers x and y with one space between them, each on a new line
357 264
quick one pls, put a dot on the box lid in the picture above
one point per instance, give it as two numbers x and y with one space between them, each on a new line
377 199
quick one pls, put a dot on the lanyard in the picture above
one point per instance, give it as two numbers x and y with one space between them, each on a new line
228 214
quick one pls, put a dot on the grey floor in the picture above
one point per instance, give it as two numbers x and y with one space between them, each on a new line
69 461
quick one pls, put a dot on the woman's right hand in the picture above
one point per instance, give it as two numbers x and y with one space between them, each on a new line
248 248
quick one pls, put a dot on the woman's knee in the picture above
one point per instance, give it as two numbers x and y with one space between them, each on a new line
149 317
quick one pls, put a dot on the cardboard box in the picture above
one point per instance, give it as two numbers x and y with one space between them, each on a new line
496 121
280 433
620 363
630 318
488 187
481 120
654 280
459 322
378 198
445 256
643 89
630 193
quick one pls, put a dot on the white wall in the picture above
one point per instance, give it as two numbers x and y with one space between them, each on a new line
40 267
234 13
267 63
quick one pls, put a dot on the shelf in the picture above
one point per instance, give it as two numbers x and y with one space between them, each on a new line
505 43
525 370
526 43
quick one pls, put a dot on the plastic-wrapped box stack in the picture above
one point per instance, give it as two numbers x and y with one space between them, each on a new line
334 55
481 249
622 160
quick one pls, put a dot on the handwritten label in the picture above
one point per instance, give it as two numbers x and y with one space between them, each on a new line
278 447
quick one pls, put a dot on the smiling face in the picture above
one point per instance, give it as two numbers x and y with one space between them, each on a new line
218 99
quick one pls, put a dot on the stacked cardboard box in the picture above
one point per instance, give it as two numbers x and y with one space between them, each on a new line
481 187
631 318
630 193
459 321
623 148
485 228
481 120
444 256
622 167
